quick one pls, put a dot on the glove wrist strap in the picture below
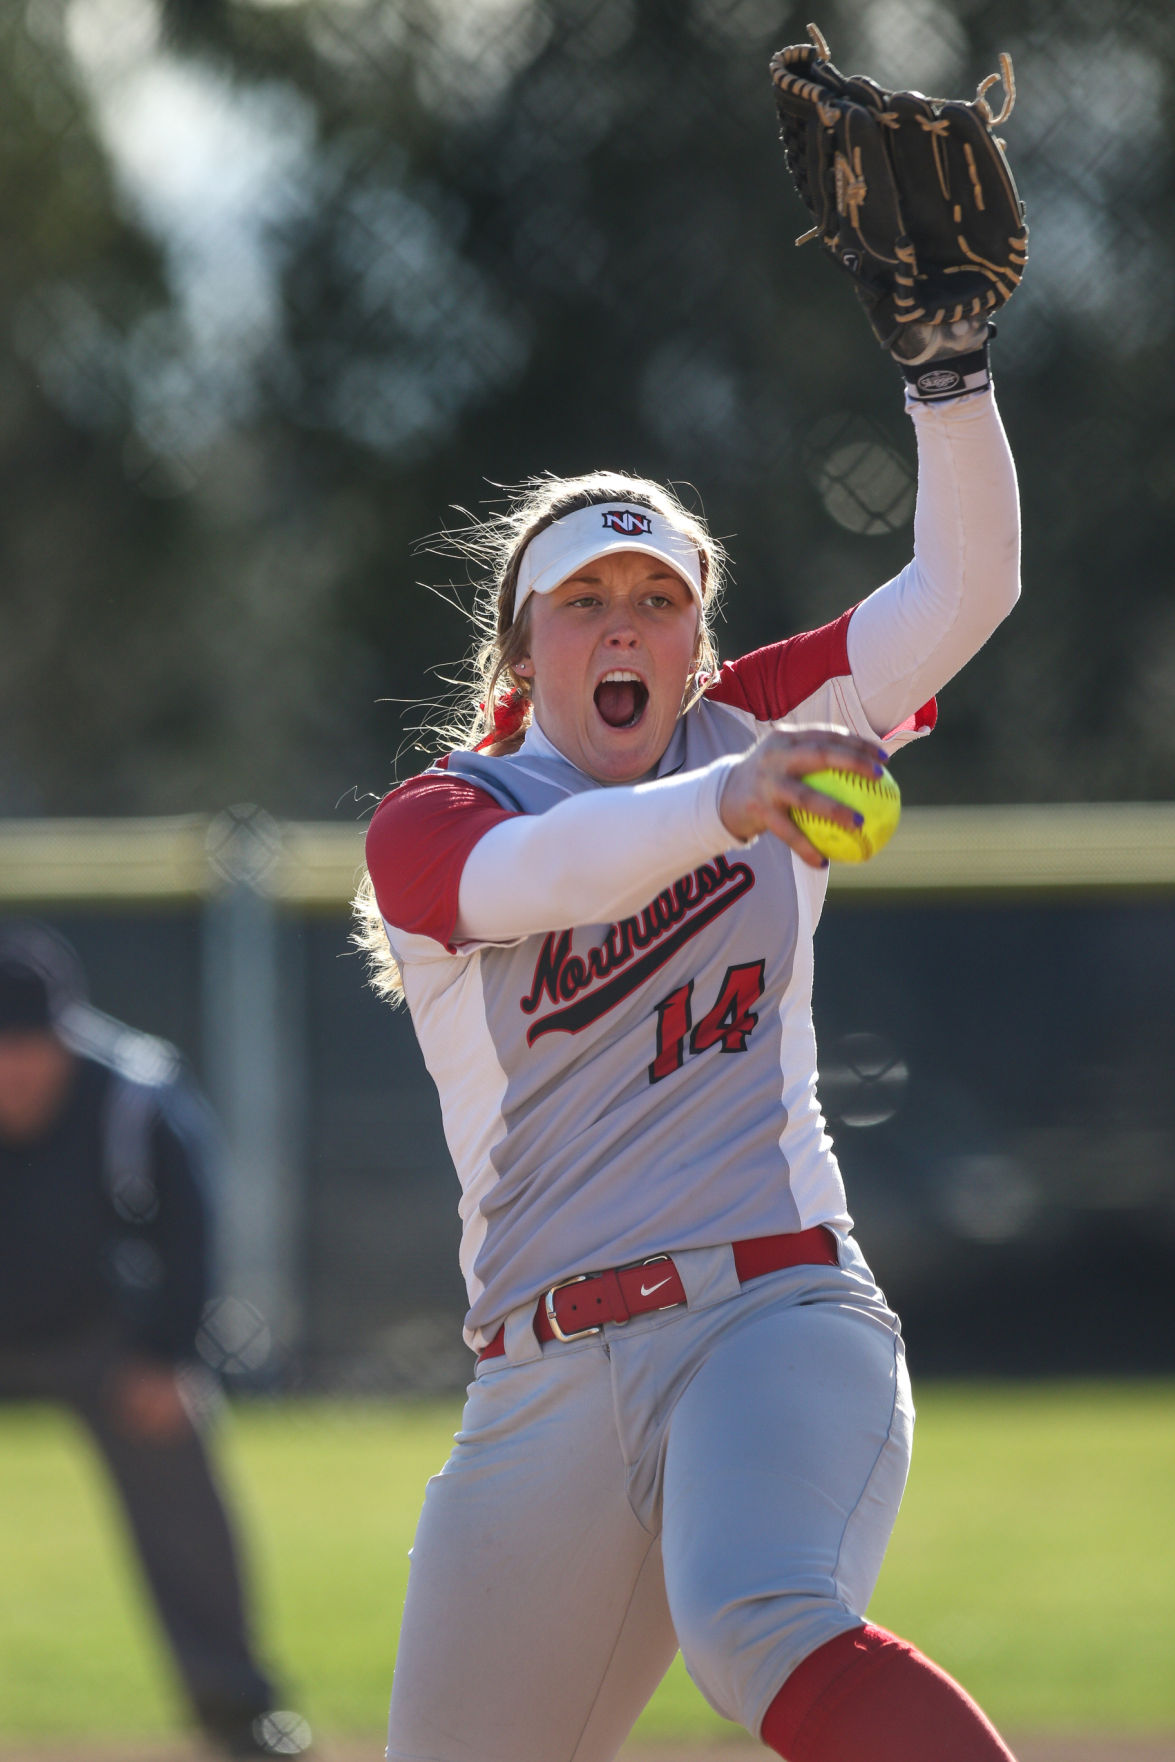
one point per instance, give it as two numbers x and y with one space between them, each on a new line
950 376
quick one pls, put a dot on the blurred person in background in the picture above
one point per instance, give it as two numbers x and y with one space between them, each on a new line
105 1237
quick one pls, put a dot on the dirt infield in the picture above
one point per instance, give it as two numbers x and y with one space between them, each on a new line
1029 1749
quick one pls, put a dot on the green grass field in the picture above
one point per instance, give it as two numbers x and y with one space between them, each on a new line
1035 1557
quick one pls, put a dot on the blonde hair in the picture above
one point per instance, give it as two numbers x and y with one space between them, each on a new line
493 547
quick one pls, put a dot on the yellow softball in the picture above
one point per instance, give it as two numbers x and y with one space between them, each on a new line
878 798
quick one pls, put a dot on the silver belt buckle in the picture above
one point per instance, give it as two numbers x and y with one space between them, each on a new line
549 1307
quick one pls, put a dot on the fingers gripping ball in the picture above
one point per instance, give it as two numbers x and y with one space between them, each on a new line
878 799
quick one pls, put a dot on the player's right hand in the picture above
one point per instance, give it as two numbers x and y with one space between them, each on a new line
763 788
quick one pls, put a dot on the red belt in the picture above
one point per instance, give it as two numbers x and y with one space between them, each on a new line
582 1305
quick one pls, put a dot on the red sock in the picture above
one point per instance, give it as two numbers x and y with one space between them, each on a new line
867 1696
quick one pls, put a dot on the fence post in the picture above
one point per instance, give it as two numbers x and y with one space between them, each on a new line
253 1059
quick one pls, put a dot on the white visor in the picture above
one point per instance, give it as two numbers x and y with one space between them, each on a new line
562 548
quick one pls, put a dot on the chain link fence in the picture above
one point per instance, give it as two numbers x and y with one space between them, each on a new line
996 1043
284 282
292 276
288 278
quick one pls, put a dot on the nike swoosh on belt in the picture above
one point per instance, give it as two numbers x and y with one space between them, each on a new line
647 1290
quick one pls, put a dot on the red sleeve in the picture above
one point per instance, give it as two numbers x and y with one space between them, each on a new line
923 721
417 843
771 681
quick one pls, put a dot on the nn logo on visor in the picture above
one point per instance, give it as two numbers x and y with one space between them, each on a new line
627 520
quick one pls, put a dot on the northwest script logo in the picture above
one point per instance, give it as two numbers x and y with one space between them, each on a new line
587 986
627 520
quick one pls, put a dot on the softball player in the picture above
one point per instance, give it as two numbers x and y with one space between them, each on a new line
690 1420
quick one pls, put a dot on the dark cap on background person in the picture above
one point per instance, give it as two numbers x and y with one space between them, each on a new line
40 978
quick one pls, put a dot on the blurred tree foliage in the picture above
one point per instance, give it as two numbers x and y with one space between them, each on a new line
286 279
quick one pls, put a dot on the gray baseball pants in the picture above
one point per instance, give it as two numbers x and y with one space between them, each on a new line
721 1477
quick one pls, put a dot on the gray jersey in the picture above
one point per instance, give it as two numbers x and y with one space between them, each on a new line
620 1090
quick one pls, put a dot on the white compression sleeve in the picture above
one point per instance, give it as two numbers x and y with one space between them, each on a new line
593 859
912 635
603 855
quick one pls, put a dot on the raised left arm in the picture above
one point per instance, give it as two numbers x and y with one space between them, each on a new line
914 633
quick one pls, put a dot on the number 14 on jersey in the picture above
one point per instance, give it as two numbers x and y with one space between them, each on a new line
727 1025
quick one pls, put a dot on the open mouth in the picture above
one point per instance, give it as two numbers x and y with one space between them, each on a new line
621 698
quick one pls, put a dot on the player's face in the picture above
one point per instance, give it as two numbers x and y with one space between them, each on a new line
610 653
35 1072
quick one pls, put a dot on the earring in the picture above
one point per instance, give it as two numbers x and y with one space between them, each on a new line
522 668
